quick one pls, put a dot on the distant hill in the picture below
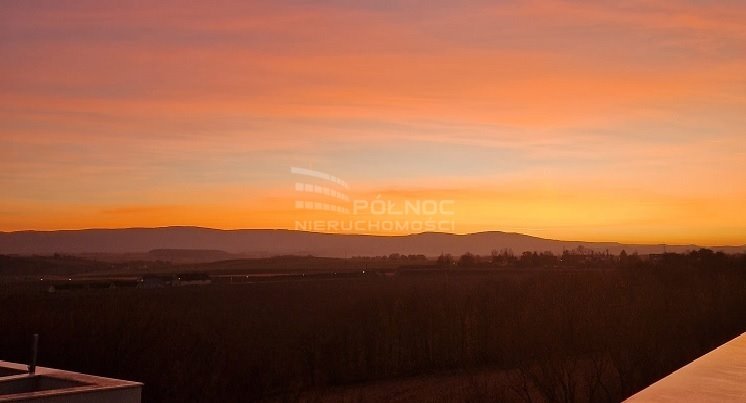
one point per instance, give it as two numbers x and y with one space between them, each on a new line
174 241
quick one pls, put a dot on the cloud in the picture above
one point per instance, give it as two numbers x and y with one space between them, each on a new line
109 107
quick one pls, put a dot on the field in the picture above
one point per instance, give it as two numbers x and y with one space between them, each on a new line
504 335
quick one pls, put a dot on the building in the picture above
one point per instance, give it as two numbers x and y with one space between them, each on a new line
48 385
156 281
174 280
70 285
718 376
192 279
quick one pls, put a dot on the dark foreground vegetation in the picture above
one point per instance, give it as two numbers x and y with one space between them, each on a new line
517 334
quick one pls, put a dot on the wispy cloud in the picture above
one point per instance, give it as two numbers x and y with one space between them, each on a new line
106 106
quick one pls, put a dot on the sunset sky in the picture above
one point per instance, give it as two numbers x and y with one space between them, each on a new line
610 120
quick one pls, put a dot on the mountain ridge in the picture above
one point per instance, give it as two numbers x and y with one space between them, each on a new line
271 242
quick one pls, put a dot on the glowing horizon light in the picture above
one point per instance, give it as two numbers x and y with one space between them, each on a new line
617 122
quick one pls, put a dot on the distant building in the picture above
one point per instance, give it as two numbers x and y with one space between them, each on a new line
71 285
171 280
156 281
146 281
66 286
656 258
47 385
192 279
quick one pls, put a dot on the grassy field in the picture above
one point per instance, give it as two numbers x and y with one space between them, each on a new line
533 335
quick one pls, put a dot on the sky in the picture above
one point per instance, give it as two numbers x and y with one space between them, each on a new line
615 121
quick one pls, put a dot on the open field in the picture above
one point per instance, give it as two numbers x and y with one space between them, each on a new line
511 335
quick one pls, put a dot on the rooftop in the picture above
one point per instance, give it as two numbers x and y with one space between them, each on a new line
718 376
48 385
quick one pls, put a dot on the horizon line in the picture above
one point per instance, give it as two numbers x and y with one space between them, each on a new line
378 235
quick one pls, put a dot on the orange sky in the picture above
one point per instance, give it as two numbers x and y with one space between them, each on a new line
562 119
